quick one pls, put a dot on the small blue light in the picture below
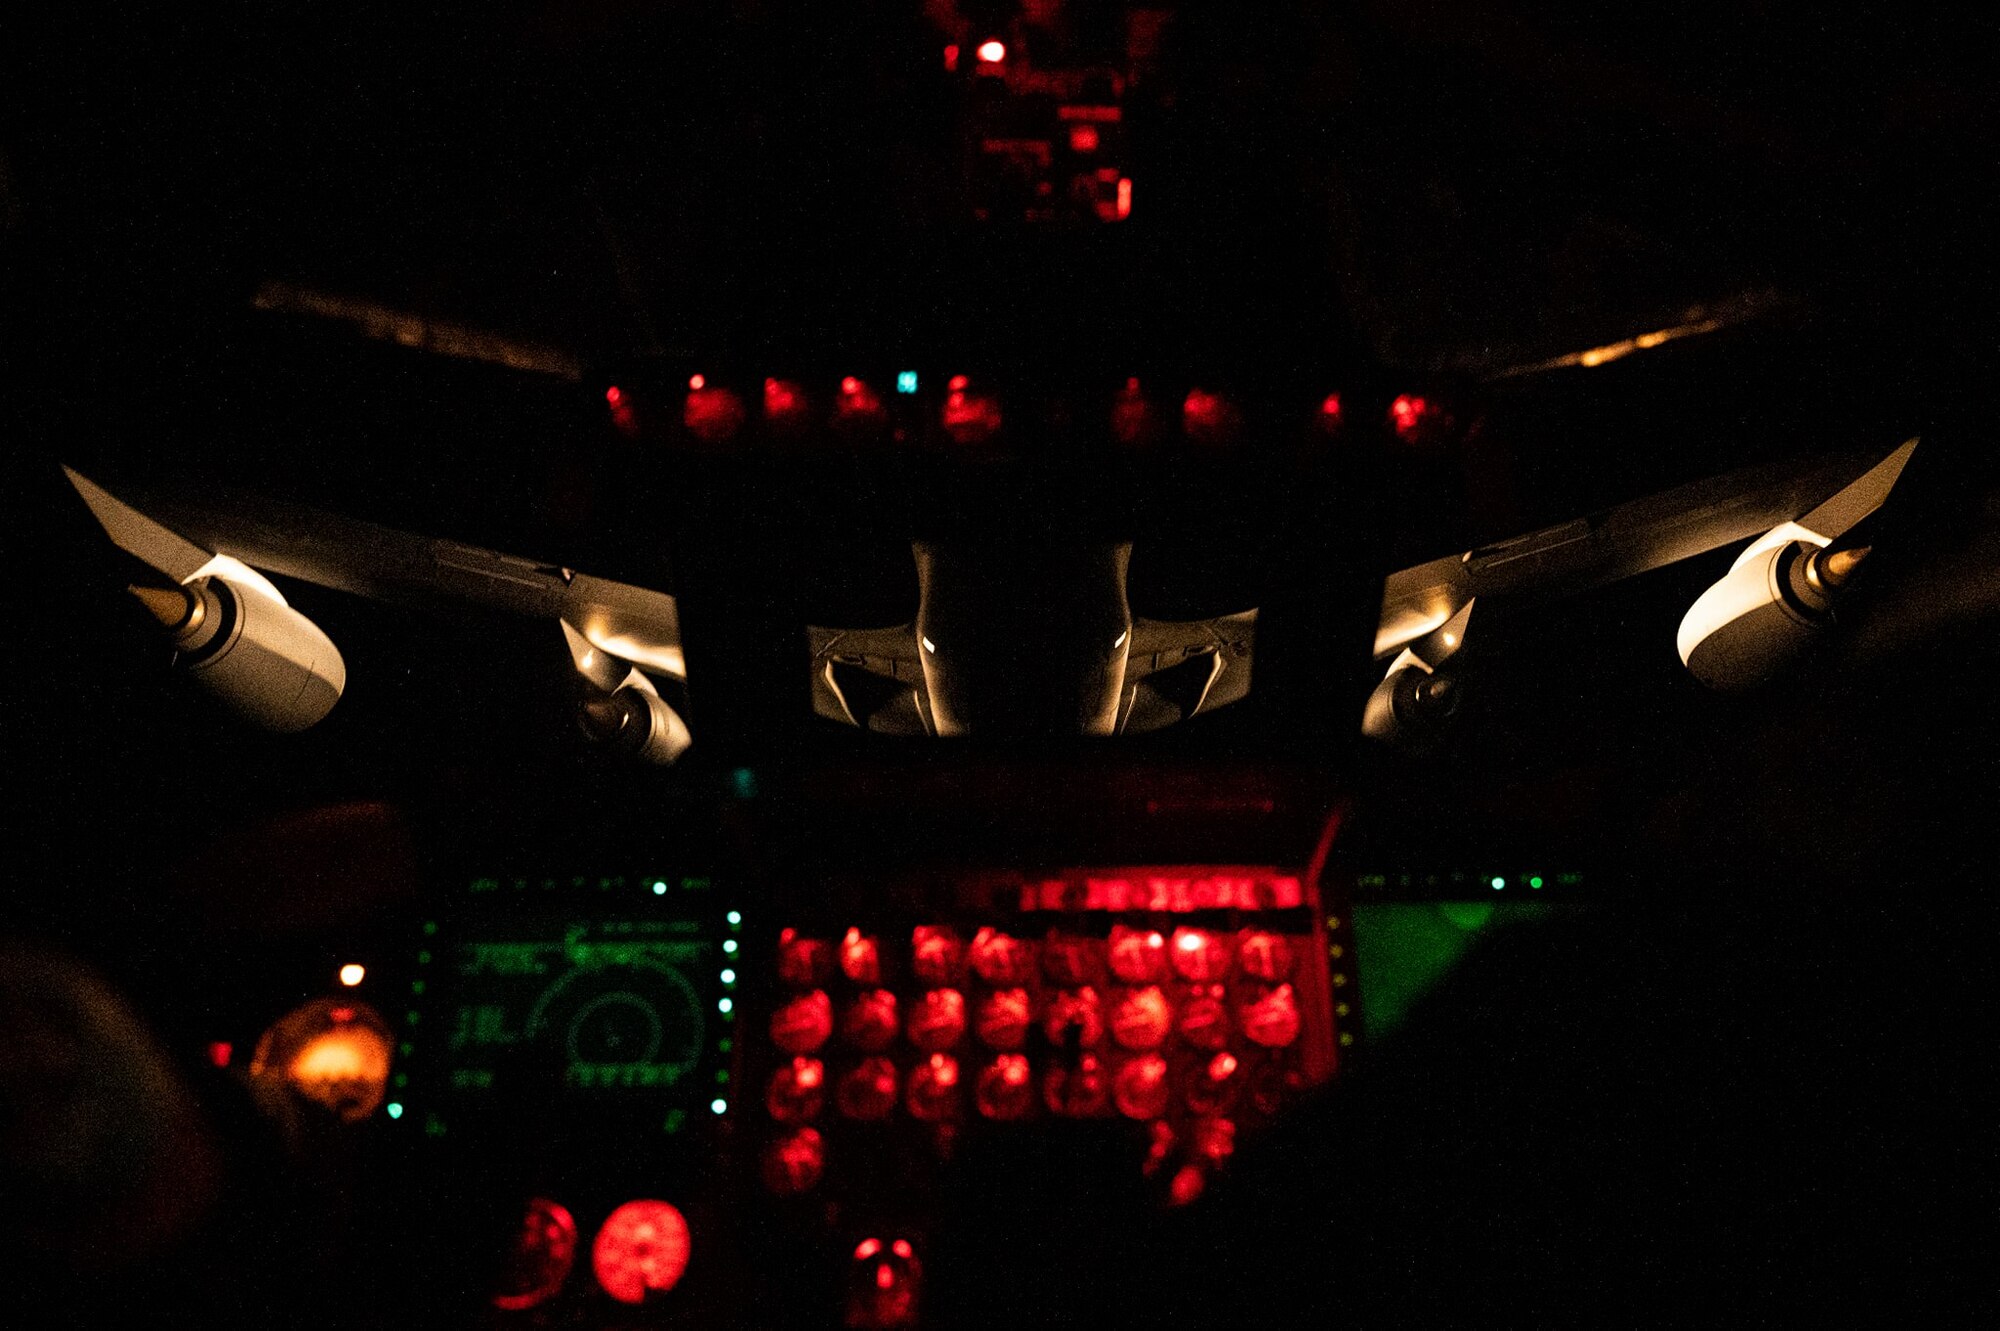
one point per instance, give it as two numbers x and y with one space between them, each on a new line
729 977
719 1106
906 382
729 946
726 1005
395 1109
659 888
736 917
1499 883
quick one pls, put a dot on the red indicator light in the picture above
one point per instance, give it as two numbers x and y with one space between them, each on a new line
1074 1019
1077 1092
850 386
1083 138
1124 197
784 402
1140 1019
803 962
711 414
1003 1091
697 382
1205 1022
1221 1066
957 383
901 1247
1142 1088
1329 410
860 958
999 958
642 1249
870 1021
1138 956
869 1090
1187 1185
938 1020
1265 956
807 1072
884 1277
793 1163
1273 1020
935 954
614 395
944 1071
867 1248
803 1025
1417 419
797 1090
1002 1019
932 1093
1132 418
1209 418
970 418
858 408
1215 1138
951 57
992 52
219 1052
543 1253
1199 955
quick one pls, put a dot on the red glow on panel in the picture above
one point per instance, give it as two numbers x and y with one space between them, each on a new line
992 53
1142 1088
951 57
1002 1019
932 1094
1077 1092
793 1163
697 382
957 383
803 1024
1069 960
860 958
1083 138
1003 1090
935 954
1265 956
1000 958
784 402
1199 955
901 1247
1131 415
1138 956
543 1253
938 1019
884 1277
1205 1021
870 1021
1415 418
868 1091
614 395
1273 1020
858 407
1329 410
1209 418
796 1090
1221 1066
1074 1019
1187 1185
1124 197
219 1052
1140 1019
712 414
642 1249
969 417
867 1248
803 962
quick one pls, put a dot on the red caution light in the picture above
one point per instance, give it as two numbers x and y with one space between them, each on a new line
901 1247
641 1249
543 1253
784 403
992 53
1329 411
860 958
614 395
712 415
219 1052
951 57
935 954
1210 418
1083 138
866 1249
1417 420
793 1163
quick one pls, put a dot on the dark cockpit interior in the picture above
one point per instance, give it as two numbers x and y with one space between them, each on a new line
929 664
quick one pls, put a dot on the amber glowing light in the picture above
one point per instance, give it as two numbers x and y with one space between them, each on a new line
351 974
642 1248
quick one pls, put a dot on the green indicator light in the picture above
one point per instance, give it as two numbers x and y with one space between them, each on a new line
726 1005
412 1016
406 1049
1499 883
729 977
416 986
735 918
724 1045
424 958
719 1105
659 888
745 782
722 1076
729 946
906 381
1534 882
394 1108
430 926
402 1080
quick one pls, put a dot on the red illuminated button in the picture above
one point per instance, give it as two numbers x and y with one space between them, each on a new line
1069 961
857 410
1001 959
870 1021
794 1162
1132 418
1204 1020
784 403
882 1288
642 1249
1138 956
712 414
860 958
803 1024
803 963
1215 1089
1003 1091
868 1091
1140 1018
938 1019
1198 955
932 1093
1074 1019
1141 1089
797 1090
543 1252
970 417
1002 1019
1078 1090
1214 1139
1265 956
1273 1020
935 955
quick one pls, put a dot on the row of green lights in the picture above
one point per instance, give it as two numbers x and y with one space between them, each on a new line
1499 882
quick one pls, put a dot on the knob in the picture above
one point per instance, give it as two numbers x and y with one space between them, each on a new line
803 1024
938 1019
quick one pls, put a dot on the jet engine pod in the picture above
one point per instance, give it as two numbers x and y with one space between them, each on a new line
636 721
1775 599
1415 702
261 658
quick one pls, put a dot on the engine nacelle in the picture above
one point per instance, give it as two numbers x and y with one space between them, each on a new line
1756 620
637 722
1411 707
261 658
